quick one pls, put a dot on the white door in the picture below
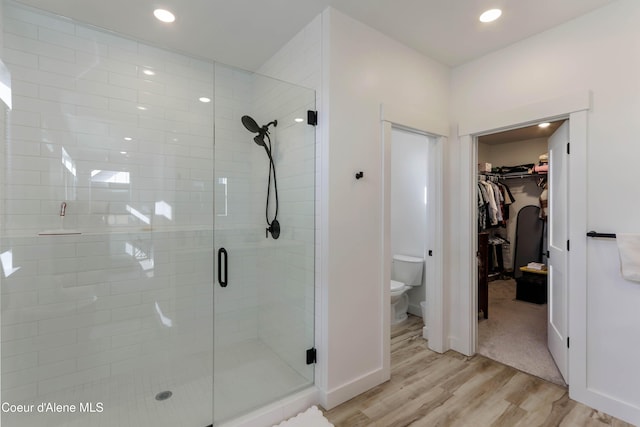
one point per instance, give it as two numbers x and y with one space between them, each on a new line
557 326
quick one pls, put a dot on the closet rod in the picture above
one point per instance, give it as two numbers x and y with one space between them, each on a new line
606 235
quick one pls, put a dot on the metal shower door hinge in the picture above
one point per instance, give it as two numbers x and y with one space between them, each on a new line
312 117
311 356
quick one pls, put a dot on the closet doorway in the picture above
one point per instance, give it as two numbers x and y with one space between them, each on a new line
521 295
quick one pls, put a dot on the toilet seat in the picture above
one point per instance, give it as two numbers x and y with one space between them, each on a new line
397 287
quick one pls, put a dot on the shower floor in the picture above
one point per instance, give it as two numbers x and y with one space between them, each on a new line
129 401
250 375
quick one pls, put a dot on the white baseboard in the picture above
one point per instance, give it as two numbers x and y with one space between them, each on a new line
607 404
350 390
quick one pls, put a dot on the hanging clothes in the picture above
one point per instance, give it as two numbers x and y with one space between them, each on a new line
483 207
508 200
492 212
494 199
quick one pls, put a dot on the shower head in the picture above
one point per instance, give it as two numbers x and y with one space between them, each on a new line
259 139
251 125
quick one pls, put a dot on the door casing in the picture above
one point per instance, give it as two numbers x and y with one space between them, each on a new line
575 107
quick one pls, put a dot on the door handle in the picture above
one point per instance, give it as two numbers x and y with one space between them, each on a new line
223 267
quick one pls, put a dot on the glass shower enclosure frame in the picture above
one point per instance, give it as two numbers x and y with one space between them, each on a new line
264 293
129 192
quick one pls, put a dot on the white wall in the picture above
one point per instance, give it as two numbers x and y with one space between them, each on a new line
515 152
365 69
596 52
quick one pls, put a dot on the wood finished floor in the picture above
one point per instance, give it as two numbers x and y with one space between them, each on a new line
431 389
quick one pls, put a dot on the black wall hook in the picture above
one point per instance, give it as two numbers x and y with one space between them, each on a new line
359 175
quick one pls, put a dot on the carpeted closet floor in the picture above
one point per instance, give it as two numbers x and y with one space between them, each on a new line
516 333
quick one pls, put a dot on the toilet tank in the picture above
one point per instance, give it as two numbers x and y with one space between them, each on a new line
407 269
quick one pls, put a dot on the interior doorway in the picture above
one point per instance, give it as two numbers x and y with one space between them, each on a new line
512 221
430 137
576 107
410 233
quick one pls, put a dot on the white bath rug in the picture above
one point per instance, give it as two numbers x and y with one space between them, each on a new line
312 417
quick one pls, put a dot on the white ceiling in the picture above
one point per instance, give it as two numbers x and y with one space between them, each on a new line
245 33
520 134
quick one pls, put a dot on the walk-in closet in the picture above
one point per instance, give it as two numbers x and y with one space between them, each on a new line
512 211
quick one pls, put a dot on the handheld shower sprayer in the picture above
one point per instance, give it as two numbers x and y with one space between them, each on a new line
262 133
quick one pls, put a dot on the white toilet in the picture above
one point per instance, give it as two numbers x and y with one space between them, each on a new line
406 273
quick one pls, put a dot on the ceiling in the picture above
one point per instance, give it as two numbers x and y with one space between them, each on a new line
520 134
245 33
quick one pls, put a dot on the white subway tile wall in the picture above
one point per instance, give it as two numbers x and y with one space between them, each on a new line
300 62
125 309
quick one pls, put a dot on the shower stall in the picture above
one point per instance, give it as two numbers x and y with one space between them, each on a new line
137 285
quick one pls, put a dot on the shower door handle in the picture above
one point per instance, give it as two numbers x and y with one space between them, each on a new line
222 267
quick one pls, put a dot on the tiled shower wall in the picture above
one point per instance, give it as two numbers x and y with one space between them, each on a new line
131 155
300 62
87 119
286 265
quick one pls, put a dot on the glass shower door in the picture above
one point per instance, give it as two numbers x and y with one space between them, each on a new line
106 227
264 290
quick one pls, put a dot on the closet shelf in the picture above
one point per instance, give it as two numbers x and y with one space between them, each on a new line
512 176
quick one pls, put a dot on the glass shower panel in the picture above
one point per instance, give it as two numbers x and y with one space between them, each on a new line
107 230
264 316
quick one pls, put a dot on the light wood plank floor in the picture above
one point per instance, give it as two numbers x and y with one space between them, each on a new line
431 389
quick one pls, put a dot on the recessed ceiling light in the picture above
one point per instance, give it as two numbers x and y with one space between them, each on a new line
544 125
298 120
164 15
149 72
141 107
204 99
490 15
128 138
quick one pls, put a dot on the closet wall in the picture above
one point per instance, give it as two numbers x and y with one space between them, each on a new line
525 190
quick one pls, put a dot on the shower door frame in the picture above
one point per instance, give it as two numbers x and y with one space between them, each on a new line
269 296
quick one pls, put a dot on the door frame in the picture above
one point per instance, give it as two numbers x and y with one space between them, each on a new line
557 250
414 121
575 107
